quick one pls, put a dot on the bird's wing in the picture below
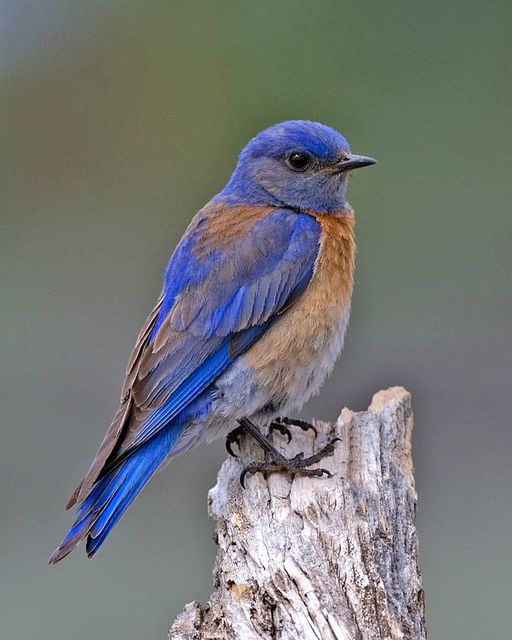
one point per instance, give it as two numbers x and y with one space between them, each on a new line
232 273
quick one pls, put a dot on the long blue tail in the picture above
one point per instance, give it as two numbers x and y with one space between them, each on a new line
114 493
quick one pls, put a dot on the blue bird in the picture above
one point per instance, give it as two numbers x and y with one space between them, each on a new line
250 320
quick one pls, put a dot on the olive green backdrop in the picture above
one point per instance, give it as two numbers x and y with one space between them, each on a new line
119 120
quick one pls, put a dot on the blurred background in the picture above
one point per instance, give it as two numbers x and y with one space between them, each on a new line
119 120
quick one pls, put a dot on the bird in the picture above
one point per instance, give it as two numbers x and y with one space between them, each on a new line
250 320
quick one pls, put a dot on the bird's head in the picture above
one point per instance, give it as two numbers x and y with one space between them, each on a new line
298 164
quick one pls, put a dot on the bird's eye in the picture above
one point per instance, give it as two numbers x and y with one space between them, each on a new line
298 160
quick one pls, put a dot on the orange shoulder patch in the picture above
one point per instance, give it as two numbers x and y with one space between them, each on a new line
222 224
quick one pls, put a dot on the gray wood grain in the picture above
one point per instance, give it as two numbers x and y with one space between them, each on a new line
310 558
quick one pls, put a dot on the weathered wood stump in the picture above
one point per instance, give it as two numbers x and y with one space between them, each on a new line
308 558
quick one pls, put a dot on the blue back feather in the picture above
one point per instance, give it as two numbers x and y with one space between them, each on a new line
221 303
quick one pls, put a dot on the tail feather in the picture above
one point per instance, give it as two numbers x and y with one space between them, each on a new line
109 518
114 493
125 495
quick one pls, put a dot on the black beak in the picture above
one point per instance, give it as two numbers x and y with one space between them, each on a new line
354 162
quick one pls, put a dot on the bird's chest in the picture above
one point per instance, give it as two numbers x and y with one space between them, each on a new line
293 359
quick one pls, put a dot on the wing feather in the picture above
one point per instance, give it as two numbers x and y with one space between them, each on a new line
225 284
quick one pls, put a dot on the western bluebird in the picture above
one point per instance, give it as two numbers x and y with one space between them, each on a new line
250 320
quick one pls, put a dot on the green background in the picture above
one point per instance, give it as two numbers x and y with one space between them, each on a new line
119 120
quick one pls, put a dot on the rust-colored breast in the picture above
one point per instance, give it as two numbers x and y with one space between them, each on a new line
334 269
298 352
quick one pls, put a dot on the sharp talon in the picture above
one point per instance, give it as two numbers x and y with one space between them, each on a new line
302 424
230 450
312 428
278 426
250 468
232 437
315 473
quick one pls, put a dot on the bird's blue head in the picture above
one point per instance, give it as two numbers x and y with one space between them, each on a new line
298 164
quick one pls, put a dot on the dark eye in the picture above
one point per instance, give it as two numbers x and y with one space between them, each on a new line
298 160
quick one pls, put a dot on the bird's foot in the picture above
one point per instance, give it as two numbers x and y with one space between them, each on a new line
279 424
296 466
275 461
282 424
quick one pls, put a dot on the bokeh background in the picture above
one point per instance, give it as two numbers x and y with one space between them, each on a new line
119 120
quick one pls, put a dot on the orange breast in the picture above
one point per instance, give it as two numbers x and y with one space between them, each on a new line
300 349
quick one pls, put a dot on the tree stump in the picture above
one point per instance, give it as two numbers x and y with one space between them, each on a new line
319 559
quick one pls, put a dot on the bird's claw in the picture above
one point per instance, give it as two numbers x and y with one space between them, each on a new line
272 468
282 428
233 437
296 466
282 424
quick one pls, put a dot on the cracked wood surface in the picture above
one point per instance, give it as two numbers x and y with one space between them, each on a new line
319 559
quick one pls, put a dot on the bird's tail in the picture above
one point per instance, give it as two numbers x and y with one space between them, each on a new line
114 493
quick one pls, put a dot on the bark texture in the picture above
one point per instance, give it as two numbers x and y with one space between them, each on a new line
309 558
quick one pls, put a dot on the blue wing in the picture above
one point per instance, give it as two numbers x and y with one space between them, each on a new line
234 271
223 301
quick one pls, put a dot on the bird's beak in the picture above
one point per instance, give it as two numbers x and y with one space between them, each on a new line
354 162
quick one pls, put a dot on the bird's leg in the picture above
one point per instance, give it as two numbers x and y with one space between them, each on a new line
277 462
279 424
282 424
